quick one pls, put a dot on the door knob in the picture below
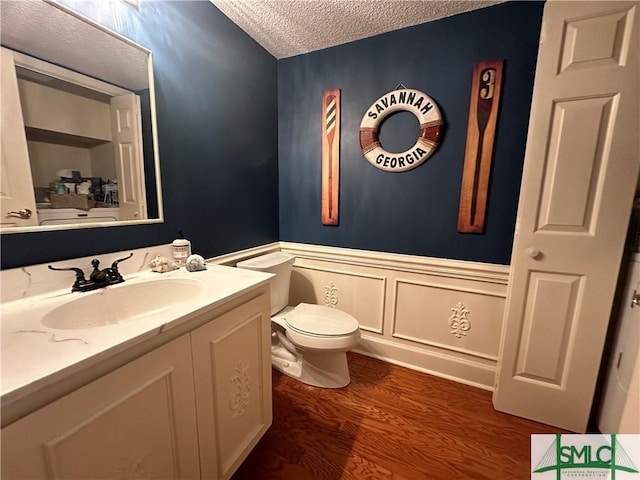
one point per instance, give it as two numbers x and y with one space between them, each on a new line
635 298
25 214
533 252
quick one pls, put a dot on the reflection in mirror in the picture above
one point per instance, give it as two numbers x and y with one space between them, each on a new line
79 146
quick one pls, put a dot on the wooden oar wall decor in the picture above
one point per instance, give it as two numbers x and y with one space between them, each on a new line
483 113
330 156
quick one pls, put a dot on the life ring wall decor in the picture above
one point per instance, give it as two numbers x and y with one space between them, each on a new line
428 114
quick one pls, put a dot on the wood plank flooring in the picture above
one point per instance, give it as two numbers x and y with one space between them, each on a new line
389 423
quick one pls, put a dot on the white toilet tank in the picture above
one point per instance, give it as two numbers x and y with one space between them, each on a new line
280 264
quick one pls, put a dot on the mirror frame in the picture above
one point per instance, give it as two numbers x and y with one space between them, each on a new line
75 17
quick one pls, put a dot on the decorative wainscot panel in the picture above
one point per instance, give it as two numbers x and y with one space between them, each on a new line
454 317
439 316
355 289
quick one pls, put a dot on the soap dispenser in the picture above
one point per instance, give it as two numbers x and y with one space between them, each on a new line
181 249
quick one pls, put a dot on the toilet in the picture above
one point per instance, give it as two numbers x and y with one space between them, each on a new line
308 342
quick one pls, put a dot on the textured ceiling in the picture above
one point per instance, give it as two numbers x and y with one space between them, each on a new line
49 32
291 27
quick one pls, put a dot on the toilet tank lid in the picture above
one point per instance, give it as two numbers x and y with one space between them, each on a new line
266 261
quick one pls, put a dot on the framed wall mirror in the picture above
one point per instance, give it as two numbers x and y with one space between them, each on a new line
79 140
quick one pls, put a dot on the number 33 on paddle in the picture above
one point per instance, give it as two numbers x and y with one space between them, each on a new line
483 113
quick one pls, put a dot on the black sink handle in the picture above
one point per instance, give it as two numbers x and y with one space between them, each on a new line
114 265
79 272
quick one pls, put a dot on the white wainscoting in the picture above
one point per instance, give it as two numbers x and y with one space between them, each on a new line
439 316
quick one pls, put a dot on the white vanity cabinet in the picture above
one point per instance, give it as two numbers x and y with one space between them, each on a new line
136 422
191 408
232 372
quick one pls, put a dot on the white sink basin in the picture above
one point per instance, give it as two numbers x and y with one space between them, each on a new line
121 303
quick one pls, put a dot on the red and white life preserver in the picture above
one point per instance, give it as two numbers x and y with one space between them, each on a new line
428 114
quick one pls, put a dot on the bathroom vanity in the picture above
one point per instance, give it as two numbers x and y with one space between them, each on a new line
178 387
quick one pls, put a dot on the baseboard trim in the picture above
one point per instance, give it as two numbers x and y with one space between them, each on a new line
441 365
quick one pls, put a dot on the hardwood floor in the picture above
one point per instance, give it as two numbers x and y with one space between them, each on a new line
390 422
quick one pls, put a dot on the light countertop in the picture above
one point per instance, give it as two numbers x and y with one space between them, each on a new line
35 357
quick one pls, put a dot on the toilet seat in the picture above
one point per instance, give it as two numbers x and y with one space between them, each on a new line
320 321
308 342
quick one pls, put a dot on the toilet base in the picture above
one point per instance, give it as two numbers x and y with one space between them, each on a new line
325 369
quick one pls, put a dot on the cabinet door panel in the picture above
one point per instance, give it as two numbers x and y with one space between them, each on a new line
136 422
232 371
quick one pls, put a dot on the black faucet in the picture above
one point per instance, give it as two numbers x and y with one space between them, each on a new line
98 278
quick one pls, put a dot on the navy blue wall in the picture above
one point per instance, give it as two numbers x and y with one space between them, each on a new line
216 97
414 212
219 139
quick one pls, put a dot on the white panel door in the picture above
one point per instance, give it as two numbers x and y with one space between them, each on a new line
580 174
16 186
127 146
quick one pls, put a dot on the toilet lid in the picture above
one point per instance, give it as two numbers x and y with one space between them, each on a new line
320 320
